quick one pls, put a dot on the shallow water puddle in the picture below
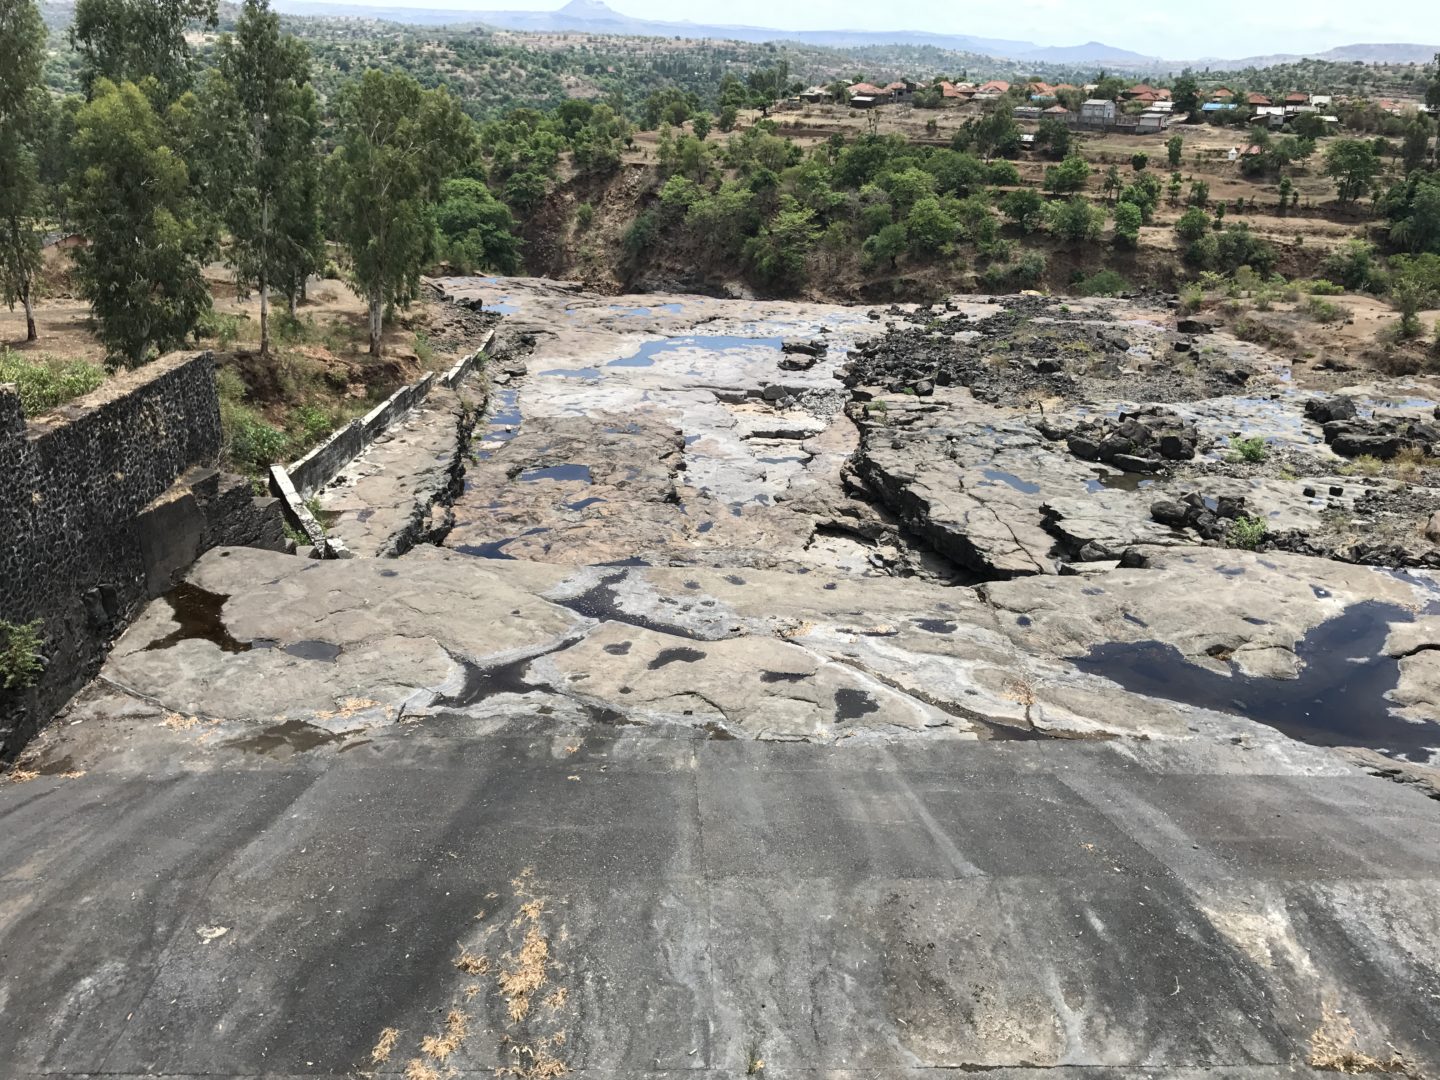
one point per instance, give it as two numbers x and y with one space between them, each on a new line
496 548
1001 476
1116 480
1337 700
284 740
651 351
197 611
569 472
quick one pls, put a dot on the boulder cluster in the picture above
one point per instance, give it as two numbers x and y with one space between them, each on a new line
1377 436
1207 515
1141 440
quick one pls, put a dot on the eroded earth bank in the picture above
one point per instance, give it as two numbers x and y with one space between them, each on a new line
778 687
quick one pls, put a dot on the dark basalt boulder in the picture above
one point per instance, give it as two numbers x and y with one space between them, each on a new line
1326 410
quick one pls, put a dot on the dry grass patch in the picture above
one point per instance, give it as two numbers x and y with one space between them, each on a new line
443 1045
1335 1047
519 983
419 1070
384 1045
472 964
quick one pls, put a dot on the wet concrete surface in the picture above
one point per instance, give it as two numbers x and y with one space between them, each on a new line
839 912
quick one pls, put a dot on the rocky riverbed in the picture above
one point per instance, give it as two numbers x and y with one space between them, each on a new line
708 519
1013 683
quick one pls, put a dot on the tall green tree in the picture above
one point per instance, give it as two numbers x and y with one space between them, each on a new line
1352 164
132 198
130 40
263 108
1186 95
22 105
1416 148
476 229
397 144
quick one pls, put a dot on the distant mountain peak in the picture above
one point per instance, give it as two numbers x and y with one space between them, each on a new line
588 9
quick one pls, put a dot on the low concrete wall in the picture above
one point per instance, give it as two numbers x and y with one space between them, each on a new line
103 502
302 479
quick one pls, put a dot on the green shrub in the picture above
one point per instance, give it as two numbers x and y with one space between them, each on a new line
1246 532
1322 311
223 329
584 215
1254 450
1102 283
251 444
312 423
1321 287
20 661
424 350
46 381
1029 270
641 234
287 329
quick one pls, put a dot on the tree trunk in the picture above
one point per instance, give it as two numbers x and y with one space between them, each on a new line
377 312
264 281
30 332
264 316
290 303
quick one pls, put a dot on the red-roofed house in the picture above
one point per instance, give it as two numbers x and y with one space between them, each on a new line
1295 97
863 95
1257 99
1222 93
994 86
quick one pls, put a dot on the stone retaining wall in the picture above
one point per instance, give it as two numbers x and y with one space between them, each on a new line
300 480
102 503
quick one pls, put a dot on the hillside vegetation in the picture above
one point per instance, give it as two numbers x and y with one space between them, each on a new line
174 138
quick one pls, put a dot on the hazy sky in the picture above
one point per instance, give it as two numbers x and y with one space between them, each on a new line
1229 28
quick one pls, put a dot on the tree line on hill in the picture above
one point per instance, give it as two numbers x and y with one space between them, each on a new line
163 164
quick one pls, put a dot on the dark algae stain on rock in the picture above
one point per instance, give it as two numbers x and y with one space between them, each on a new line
680 655
783 676
1339 698
853 704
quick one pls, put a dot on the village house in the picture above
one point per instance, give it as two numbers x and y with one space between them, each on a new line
1097 113
1222 94
864 95
1258 100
